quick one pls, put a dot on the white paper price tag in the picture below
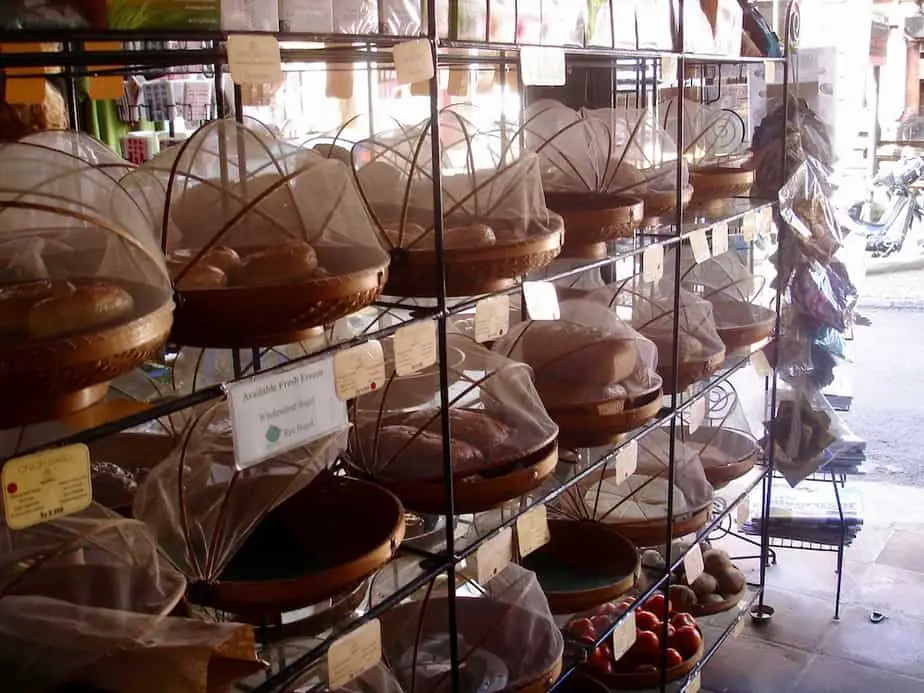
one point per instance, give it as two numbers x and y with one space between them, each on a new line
492 318
693 685
359 370
354 654
413 61
45 486
339 82
720 238
765 221
669 68
696 414
700 245
744 510
541 301
254 59
493 556
533 530
653 263
749 227
624 635
693 564
542 66
277 412
761 364
415 347
626 462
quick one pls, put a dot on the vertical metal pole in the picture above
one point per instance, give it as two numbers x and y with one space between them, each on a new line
70 86
840 548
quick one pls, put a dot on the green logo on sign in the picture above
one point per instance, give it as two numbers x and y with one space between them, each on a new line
272 434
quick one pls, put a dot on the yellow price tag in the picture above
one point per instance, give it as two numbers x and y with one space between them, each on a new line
21 90
47 485
108 88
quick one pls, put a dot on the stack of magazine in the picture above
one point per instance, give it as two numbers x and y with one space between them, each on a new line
809 513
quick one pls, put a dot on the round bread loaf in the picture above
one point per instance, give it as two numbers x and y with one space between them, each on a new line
201 276
88 306
16 302
415 237
291 261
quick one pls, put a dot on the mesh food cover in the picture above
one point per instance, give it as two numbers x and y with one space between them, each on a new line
85 599
589 357
497 420
496 224
242 215
710 133
507 639
201 508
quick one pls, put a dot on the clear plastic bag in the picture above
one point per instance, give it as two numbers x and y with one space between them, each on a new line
823 293
806 209
507 638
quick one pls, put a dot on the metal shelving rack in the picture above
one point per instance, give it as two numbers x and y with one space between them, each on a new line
423 567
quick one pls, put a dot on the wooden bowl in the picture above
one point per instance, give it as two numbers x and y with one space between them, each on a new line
741 324
711 183
320 542
652 679
603 424
533 663
691 370
584 565
592 219
739 449
262 316
660 204
718 607
654 532
42 379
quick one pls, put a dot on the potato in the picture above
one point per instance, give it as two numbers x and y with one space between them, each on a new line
731 581
704 584
713 598
714 561
653 559
682 598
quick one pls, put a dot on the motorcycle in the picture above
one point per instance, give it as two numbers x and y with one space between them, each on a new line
887 235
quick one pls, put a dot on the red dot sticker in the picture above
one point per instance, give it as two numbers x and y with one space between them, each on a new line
371 386
11 488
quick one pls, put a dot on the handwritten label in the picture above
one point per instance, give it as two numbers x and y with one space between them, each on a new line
492 318
693 564
542 66
624 635
541 301
47 485
533 530
458 82
744 510
415 347
413 61
494 555
697 414
749 227
653 263
760 364
339 82
700 245
277 412
354 654
720 238
626 462
359 370
254 59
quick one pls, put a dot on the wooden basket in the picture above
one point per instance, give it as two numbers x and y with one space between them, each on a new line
261 316
652 679
585 564
347 529
594 425
736 446
691 371
660 204
653 532
471 271
717 183
742 325
718 607
592 219
479 622
48 378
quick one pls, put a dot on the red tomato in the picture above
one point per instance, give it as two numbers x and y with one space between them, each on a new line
608 608
655 604
682 619
673 657
600 661
601 622
687 641
646 645
645 620
582 629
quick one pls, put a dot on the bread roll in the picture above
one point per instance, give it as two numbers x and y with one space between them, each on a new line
201 276
291 261
16 302
475 428
87 307
415 237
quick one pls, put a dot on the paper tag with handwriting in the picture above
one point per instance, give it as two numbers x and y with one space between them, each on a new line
696 414
47 485
653 263
493 556
339 81
693 685
542 66
700 245
720 238
359 370
354 654
541 301
415 347
458 81
533 530
254 59
749 227
761 364
693 564
492 318
413 61
626 462
277 412
744 510
624 635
